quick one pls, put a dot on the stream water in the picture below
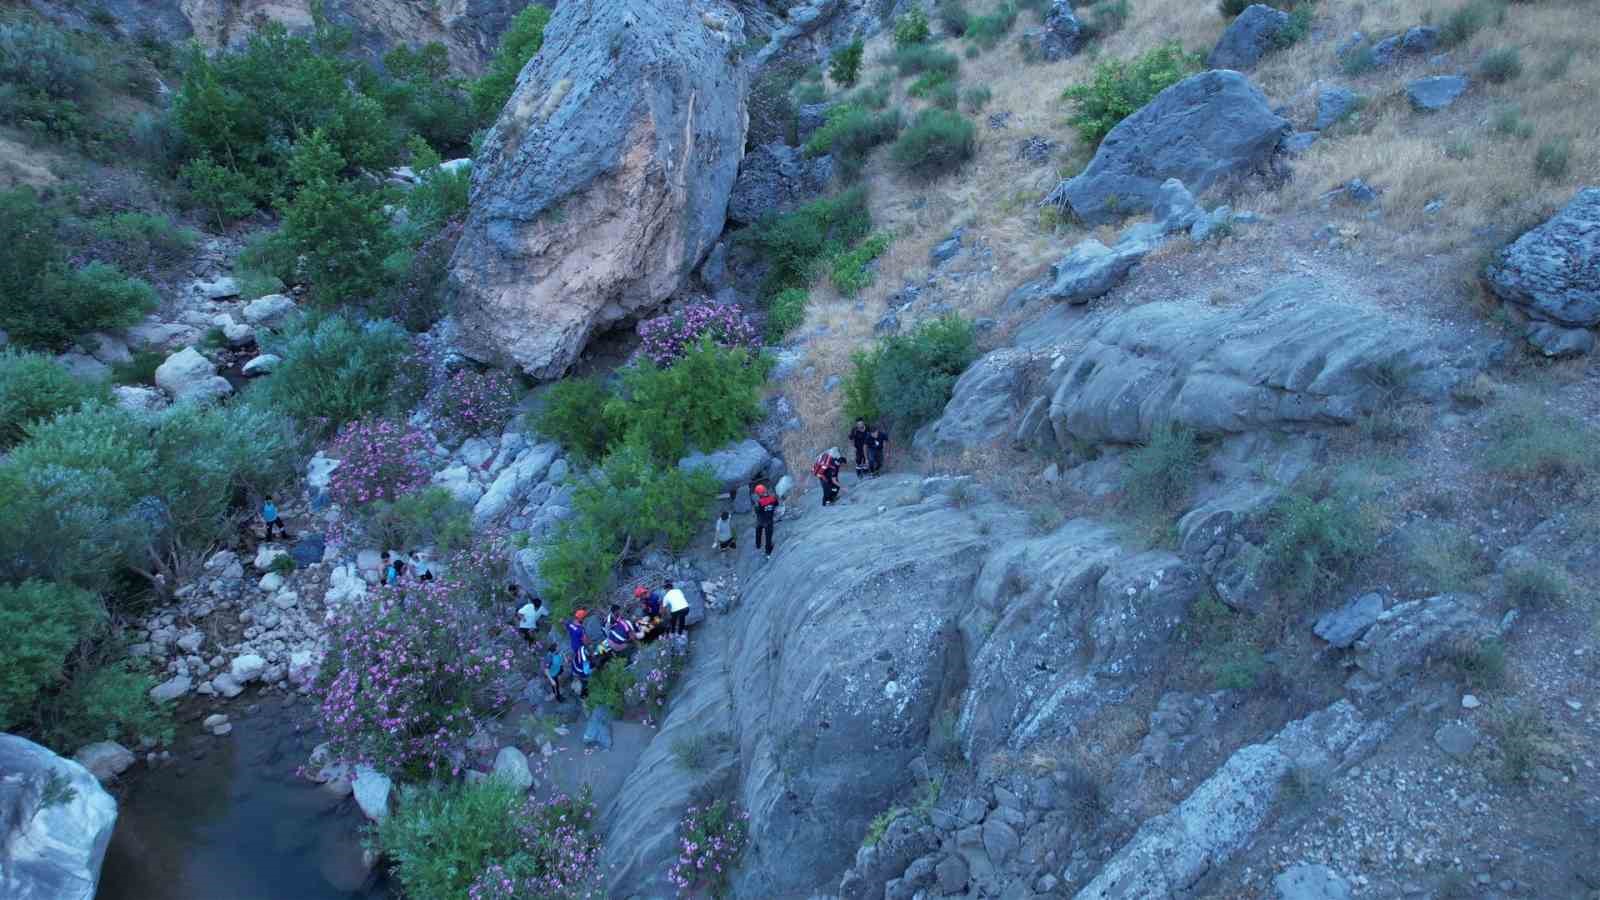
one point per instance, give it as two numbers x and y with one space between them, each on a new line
229 818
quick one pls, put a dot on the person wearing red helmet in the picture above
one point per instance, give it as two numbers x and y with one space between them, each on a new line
766 507
649 601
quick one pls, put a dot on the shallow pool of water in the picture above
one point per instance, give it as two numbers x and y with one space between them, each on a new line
237 822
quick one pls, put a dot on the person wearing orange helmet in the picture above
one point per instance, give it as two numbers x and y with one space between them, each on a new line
649 601
766 507
576 634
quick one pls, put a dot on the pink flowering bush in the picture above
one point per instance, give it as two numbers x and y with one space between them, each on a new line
379 459
710 839
558 858
658 667
666 338
466 403
411 673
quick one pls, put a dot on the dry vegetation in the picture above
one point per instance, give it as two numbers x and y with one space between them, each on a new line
1462 157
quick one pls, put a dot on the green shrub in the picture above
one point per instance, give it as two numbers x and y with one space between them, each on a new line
785 312
1501 65
1312 543
1481 665
987 30
227 194
936 144
142 240
47 79
337 226
521 40
1231 9
1121 87
911 29
1160 473
945 96
701 402
1238 668
1535 584
907 379
975 98
427 518
795 245
1359 61
1509 122
850 133
844 66
1461 24
105 701
422 95
953 17
576 565
609 688
1296 29
1445 556
141 369
568 415
929 82
808 93
850 272
34 388
921 58
439 197
875 96
1529 441
1551 159
1105 18
43 623
335 370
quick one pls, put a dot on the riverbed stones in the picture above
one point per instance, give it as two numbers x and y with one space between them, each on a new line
105 759
171 689
372 789
247 668
269 311
1311 882
189 376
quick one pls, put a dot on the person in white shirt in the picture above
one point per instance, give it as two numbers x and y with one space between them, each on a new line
529 618
678 606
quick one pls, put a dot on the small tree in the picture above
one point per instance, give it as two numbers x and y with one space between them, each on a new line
844 66
43 622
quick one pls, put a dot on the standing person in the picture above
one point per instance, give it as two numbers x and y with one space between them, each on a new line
529 618
826 468
576 635
552 669
766 516
678 606
725 540
582 668
861 437
877 450
389 569
269 516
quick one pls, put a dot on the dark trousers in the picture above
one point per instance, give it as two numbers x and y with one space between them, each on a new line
276 524
764 532
830 491
874 461
555 685
680 622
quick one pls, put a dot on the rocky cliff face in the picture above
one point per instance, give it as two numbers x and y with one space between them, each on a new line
55 823
605 180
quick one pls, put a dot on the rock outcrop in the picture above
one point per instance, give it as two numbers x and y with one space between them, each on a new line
605 180
1203 130
1552 273
774 179
1251 36
55 824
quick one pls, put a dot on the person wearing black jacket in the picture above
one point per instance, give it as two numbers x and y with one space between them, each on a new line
877 449
861 437
766 508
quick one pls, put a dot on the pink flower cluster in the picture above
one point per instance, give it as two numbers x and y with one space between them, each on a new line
411 673
379 459
710 839
658 671
468 403
559 859
667 338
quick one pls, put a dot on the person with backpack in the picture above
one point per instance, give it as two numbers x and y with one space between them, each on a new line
766 507
826 468
725 539
269 516
877 450
861 437
583 668
553 664
678 607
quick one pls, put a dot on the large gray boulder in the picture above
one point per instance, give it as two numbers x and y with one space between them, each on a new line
733 465
514 482
1249 37
1089 270
1436 92
1553 271
982 406
774 179
1059 37
1406 636
1333 104
604 181
1209 127
55 824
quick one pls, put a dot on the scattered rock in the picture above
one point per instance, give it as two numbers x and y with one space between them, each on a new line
1311 882
1435 92
1000 840
217 289
213 720
597 733
226 685
1342 627
247 668
270 582
269 311
774 179
1175 208
1408 634
261 365
946 249
1333 104
732 465
953 874
1060 37
138 398
266 556
1551 273
1469 701
84 367
171 689
1299 142
511 765
372 792
1251 36
1456 739
105 760
188 375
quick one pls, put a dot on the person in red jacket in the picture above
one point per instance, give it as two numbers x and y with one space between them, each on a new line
766 508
